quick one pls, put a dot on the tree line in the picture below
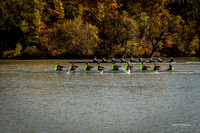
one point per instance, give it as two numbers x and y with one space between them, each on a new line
105 28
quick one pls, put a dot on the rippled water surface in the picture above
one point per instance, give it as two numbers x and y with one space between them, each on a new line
94 102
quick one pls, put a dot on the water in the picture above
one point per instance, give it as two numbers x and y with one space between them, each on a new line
113 102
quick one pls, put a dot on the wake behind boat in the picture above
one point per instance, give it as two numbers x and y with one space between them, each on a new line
45 71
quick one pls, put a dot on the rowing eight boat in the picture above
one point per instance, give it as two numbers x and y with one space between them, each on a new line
117 62
136 62
110 71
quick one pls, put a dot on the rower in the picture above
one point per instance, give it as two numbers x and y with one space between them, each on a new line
171 59
113 59
128 67
143 67
170 68
150 60
58 67
122 59
99 68
104 60
87 67
140 59
114 67
159 60
131 59
155 67
95 59
73 67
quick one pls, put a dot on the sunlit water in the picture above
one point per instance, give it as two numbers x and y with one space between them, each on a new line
94 102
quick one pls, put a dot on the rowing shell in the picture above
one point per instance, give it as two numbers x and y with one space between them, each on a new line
119 62
110 71
136 62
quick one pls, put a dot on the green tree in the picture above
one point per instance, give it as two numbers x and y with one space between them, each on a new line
20 22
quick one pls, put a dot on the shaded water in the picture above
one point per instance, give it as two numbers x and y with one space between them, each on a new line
139 102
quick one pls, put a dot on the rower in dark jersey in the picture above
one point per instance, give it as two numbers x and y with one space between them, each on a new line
128 67
99 68
113 59
58 67
104 60
155 67
171 59
170 68
150 60
95 59
73 67
143 67
131 59
115 67
140 59
87 67
122 59
159 60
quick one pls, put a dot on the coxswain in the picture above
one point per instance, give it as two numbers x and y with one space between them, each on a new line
128 67
73 67
131 59
99 68
58 67
143 67
95 59
171 68
159 60
87 67
122 59
150 60
155 67
114 67
171 59
104 60
113 59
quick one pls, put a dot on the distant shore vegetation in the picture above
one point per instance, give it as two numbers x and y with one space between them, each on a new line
104 28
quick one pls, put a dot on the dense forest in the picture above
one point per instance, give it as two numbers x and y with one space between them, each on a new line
84 28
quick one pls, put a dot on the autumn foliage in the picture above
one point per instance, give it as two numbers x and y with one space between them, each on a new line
105 28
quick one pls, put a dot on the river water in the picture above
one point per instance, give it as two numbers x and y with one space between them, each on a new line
94 102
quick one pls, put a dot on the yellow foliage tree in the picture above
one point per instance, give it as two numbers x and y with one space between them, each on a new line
13 53
161 25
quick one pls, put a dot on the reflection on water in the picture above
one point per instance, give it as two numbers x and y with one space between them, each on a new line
48 102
